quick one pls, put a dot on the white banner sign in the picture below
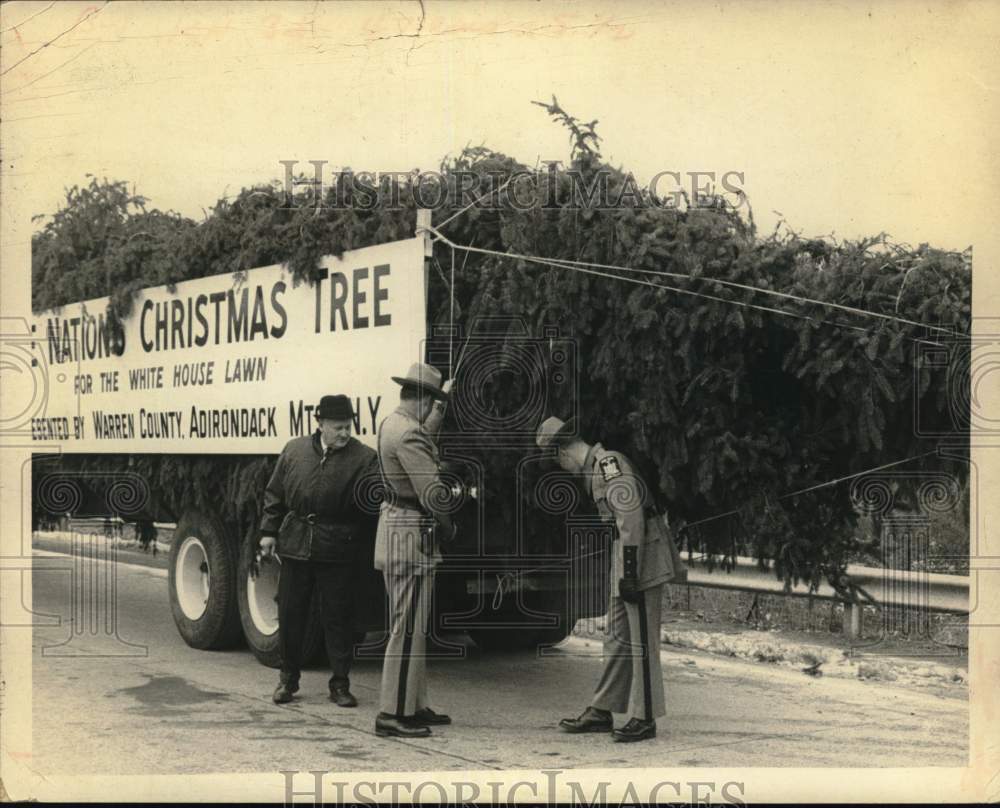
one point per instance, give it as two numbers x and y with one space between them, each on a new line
217 367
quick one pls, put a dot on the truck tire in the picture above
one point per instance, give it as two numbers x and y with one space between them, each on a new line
202 582
257 600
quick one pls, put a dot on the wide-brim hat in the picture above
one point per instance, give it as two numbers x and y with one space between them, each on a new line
424 377
553 431
334 408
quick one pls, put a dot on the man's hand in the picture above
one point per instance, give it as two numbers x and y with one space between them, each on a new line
628 590
268 546
441 404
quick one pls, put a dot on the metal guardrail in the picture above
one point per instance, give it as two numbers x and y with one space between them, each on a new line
929 591
99 525
935 591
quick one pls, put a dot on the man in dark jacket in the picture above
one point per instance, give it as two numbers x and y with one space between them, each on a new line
315 523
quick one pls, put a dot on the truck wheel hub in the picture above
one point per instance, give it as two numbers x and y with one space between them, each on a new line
262 597
193 578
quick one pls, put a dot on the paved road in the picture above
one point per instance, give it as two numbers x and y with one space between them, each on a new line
170 709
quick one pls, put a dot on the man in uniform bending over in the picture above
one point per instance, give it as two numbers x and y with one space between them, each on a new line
644 559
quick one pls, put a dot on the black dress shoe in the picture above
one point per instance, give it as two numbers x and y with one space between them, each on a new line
391 726
342 697
283 693
425 716
592 720
635 730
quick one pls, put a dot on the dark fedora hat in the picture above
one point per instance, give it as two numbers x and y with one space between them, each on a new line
334 408
553 431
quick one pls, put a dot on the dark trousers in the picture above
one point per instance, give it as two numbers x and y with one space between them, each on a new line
335 583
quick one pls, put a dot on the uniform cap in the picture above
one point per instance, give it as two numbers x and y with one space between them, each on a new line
554 431
424 377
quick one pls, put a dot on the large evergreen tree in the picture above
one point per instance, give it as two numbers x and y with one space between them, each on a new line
726 406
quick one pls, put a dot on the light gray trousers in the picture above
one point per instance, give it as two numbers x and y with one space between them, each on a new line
404 670
632 681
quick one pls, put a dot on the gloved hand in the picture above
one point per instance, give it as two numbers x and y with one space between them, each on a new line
268 545
440 405
628 590
267 550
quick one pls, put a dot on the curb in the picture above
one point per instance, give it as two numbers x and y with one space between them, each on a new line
770 648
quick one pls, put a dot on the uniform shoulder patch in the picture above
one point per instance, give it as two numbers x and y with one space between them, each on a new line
609 467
